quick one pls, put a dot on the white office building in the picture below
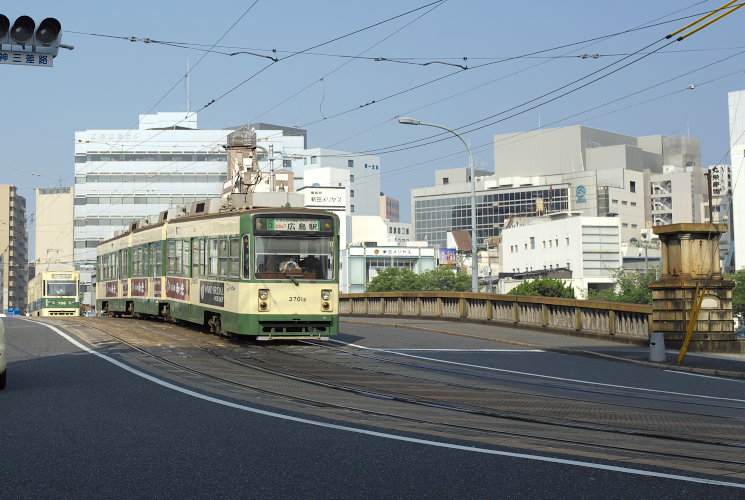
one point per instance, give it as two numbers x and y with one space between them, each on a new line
586 249
737 155
124 175
359 174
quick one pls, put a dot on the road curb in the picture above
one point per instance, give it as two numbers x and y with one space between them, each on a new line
561 350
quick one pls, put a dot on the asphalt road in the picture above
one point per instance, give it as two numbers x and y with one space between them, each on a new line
73 424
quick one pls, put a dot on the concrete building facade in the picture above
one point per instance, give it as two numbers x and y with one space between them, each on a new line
589 248
678 195
13 249
359 174
122 176
53 234
390 208
737 157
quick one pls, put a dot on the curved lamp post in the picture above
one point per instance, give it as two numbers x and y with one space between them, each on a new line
474 251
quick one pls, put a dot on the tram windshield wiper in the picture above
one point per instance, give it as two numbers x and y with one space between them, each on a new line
287 273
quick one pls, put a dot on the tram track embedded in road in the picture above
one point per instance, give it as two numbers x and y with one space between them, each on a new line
262 359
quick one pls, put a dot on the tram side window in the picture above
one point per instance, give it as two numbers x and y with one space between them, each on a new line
246 256
195 257
185 252
139 260
213 257
156 258
203 257
223 262
124 263
235 257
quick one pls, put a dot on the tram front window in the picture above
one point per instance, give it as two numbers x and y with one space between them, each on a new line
301 258
61 288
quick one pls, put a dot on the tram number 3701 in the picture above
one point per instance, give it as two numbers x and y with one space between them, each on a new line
298 299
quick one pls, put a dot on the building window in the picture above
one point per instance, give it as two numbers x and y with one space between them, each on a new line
350 163
445 180
351 193
532 243
624 202
351 208
351 178
313 160
632 186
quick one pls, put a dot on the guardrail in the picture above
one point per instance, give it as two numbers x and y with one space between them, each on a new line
630 322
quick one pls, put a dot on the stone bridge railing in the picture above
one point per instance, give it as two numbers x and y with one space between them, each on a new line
631 322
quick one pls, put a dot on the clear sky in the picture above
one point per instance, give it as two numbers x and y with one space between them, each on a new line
347 100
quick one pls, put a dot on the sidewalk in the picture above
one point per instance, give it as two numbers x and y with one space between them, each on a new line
713 364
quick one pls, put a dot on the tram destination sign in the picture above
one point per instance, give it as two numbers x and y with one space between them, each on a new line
294 225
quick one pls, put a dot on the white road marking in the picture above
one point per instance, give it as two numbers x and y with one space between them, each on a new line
538 375
704 376
473 449
383 349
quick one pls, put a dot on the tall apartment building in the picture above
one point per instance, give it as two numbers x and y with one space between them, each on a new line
13 249
390 208
54 228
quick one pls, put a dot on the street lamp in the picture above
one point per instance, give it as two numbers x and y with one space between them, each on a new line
474 251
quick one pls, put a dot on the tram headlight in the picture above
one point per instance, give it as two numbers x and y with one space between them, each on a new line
263 299
325 298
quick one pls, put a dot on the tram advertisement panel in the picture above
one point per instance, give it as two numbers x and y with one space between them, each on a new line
112 288
157 288
139 287
212 293
177 288
125 288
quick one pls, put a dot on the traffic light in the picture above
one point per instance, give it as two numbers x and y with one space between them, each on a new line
22 42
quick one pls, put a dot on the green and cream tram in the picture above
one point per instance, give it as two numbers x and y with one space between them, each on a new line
54 293
265 273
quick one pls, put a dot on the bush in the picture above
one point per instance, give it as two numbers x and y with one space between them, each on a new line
630 287
442 279
545 287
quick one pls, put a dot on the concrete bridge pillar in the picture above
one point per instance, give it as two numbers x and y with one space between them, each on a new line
690 257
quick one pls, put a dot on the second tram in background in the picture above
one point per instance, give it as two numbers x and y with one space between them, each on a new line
269 273
54 293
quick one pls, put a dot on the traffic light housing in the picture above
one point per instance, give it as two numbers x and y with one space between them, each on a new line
23 42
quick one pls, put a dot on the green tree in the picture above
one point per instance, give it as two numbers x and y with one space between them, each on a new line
443 279
546 287
738 294
394 279
630 287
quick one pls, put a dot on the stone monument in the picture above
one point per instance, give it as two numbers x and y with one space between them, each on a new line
690 258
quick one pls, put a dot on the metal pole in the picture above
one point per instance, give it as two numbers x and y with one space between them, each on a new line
708 181
474 238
